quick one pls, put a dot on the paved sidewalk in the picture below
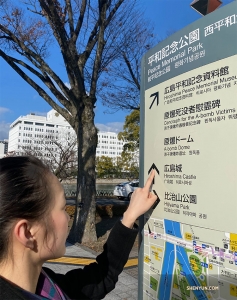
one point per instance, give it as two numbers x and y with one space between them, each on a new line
127 285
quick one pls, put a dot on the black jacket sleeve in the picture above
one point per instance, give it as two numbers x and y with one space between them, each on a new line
98 279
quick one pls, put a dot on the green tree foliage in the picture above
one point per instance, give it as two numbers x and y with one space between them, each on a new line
105 167
118 167
130 164
130 133
124 166
130 154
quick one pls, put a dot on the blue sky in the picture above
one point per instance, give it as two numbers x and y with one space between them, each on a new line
18 98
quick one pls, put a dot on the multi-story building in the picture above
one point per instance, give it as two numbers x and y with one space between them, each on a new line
33 132
40 135
109 144
3 148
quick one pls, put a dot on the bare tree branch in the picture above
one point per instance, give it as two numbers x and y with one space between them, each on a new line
95 34
134 79
79 21
41 92
36 60
99 50
70 17
46 80
58 153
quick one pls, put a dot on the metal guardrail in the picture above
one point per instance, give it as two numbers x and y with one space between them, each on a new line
104 193
70 193
99 193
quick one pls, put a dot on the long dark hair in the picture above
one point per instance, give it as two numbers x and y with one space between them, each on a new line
24 194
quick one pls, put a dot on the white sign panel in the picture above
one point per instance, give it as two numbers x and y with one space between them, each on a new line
190 124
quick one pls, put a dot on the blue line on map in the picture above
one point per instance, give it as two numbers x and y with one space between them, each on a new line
165 286
172 228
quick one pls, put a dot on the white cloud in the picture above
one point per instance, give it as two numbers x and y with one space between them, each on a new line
111 127
4 130
4 110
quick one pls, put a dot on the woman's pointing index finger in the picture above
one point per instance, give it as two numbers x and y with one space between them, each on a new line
149 181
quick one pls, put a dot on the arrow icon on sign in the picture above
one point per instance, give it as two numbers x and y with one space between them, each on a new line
156 98
149 229
157 200
153 166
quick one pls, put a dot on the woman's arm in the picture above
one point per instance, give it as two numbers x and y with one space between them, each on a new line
98 279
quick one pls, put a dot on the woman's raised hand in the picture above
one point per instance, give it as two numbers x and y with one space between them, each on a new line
141 201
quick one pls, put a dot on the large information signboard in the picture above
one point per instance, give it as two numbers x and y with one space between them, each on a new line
189 126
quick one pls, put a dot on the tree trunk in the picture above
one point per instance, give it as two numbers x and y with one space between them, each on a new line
83 229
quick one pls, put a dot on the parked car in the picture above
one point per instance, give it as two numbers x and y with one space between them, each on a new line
125 189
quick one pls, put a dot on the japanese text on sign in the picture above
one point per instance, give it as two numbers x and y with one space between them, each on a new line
192 109
228 21
190 38
184 41
181 198
197 79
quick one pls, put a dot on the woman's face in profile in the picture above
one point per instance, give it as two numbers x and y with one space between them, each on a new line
52 244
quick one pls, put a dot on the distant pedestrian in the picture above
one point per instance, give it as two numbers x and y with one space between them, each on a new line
34 228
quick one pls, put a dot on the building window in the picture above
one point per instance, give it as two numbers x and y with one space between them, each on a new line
39 124
29 123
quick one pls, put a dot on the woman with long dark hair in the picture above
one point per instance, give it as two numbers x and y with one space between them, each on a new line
34 228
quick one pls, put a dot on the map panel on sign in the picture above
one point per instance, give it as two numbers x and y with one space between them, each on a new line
185 264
